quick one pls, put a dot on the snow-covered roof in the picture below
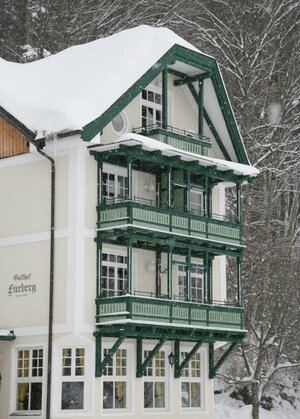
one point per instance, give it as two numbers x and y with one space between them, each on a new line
150 144
66 91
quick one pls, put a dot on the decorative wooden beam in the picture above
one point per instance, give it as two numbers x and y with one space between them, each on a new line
141 366
100 365
180 366
213 368
191 79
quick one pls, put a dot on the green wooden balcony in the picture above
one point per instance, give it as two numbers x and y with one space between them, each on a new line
132 213
181 139
155 310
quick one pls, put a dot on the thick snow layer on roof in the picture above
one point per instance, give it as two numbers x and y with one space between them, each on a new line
68 90
168 150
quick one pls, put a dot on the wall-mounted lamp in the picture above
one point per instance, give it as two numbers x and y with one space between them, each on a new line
150 187
171 358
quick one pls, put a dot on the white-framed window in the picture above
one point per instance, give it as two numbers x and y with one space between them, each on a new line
114 187
120 123
196 283
73 378
181 282
29 373
156 380
192 382
151 106
113 273
196 201
116 381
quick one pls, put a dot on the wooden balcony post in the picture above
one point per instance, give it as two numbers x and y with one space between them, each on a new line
170 188
239 280
99 268
238 202
165 98
188 274
200 107
129 266
170 290
129 178
99 182
158 274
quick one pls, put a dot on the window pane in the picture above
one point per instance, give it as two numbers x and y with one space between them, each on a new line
195 395
150 96
72 395
22 396
159 394
157 98
36 396
185 395
108 395
120 395
148 395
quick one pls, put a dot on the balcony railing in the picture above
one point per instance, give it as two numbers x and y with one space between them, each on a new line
181 139
145 215
155 310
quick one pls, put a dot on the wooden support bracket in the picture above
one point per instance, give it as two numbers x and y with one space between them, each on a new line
100 365
180 366
213 368
141 366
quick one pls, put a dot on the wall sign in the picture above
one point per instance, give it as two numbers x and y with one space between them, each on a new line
22 286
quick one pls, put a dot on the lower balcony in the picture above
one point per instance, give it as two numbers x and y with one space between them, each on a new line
144 215
111 310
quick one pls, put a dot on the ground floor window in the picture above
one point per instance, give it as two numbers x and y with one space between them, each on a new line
29 380
115 394
73 373
191 383
155 382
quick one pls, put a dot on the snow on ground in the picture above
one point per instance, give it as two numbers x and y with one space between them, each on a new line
233 412
227 408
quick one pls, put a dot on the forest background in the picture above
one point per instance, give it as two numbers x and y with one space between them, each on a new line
257 44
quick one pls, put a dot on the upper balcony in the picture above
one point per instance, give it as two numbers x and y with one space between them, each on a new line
143 213
181 139
163 311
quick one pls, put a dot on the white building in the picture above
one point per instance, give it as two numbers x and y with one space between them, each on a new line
131 140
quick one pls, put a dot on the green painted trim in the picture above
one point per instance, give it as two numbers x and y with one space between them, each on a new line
201 108
91 130
172 333
176 53
179 367
156 157
141 366
129 266
100 365
213 368
161 310
7 337
172 132
156 239
165 98
210 124
193 58
191 79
